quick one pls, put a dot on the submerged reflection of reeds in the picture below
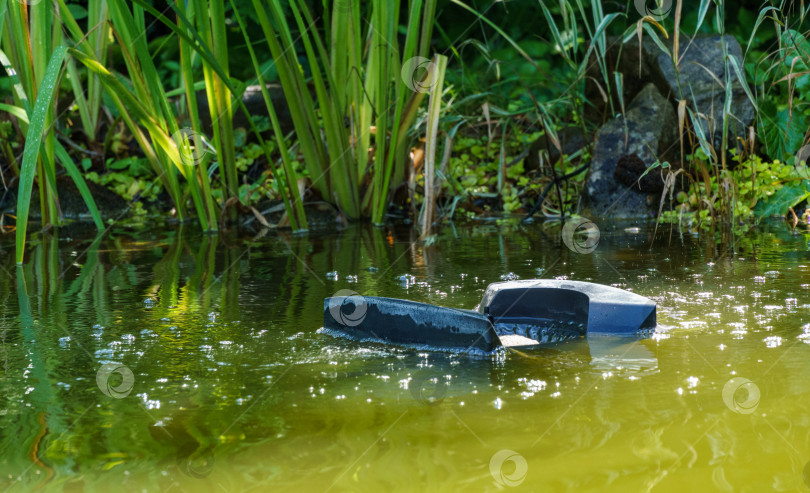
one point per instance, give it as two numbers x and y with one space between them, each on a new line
162 307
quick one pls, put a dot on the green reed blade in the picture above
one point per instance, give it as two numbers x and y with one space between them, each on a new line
33 140
394 164
341 176
16 111
226 152
210 219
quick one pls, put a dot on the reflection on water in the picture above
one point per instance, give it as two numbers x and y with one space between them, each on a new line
184 362
611 354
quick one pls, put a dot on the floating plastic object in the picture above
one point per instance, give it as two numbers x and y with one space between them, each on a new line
407 322
577 307
512 313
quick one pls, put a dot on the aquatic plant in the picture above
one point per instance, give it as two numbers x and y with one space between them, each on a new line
758 188
351 133
367 88
355 75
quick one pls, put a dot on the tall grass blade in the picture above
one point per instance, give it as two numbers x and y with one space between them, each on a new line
3 9
33 141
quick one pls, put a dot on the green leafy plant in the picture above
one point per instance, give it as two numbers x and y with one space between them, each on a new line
130 178
784 98
761 189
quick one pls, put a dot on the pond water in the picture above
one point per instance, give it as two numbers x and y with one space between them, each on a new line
184 362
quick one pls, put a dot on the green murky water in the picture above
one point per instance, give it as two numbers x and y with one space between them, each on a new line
222 382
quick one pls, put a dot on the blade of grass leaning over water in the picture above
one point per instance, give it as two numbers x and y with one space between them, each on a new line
33 140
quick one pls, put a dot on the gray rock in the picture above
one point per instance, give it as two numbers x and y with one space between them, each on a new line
646 133
701 61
